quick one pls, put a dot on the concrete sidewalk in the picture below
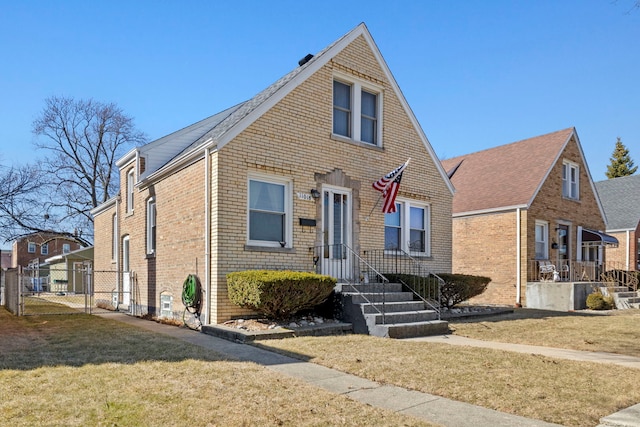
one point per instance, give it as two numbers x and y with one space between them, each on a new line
434 409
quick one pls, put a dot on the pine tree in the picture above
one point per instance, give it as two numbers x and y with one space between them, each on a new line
621 163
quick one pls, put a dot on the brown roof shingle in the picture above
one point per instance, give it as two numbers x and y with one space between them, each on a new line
504 176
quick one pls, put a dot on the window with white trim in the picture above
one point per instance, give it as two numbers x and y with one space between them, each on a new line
570 180
269 212
407 229
542 240
31 247
130 183
151 226
66 248
357 108
44 249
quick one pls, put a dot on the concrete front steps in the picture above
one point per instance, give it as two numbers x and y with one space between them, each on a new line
622 297
362 306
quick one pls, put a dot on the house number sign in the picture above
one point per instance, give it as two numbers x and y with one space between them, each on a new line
304 196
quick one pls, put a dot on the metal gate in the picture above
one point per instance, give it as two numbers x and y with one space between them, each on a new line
77 289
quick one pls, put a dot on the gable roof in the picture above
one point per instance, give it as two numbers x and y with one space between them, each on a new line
214 133
505 177
620 198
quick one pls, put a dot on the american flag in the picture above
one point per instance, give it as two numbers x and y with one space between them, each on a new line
389 186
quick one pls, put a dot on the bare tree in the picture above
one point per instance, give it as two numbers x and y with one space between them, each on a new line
83 140
21 208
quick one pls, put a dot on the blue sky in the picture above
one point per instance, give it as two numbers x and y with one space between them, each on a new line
477 74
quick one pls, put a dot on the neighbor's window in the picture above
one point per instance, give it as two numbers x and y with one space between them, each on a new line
31 247
407 229
151 226
570 180
269 216
66 248
356 110
542 240
130 183
44 249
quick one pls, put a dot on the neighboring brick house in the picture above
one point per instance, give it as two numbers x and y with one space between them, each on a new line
34 248
620 198
260 184
522 203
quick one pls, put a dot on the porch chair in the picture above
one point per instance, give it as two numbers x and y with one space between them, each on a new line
547 270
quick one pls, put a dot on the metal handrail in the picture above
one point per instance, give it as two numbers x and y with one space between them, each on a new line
398 261
349 268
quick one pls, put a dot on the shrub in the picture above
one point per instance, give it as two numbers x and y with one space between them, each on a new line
461 287
278 294
597 301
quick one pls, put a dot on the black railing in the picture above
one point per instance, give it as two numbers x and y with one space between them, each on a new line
351 271
400 267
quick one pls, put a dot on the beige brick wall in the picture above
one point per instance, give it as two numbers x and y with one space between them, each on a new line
103 259
625 256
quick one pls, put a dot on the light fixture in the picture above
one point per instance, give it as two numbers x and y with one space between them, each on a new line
315 193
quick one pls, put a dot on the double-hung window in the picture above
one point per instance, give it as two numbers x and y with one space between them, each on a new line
44 249
570 180
542 240
66 248
357 110
31 247
151 226
269 212
407 229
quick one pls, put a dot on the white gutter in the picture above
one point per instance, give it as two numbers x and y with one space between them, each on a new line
207 236
518 260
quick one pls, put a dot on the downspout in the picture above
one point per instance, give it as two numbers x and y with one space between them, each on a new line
518 260
207 237
628 250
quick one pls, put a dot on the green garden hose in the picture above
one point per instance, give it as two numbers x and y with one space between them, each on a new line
192 300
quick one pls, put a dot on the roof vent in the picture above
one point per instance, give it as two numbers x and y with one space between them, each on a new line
305 59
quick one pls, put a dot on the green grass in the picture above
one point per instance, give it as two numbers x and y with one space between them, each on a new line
79 370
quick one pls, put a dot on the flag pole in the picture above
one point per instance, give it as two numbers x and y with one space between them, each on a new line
366 218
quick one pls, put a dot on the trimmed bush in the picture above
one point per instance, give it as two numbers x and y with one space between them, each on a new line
597 301
278 294
461 287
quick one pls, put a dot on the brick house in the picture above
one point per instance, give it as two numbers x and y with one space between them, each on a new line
34 248
522 204
620 199
262 183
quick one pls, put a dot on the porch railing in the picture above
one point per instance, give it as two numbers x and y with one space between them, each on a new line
351 271
399 266
582 271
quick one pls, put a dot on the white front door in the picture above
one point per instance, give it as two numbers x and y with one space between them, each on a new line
336 231
126 273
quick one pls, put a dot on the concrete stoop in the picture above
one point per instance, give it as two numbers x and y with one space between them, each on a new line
363 304
628 417
623 298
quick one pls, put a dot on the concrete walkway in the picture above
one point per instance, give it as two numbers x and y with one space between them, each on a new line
434 409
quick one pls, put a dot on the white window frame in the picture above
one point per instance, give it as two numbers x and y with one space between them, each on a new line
405 226
44 249
31 247
357 87
570 187
66 248
130 184
288 210
151 226
544 241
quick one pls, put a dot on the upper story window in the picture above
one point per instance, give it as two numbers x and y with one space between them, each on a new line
130 183
570 180
44 249
151 226
407 229
542 240
269 212
357 110
31 247
66 248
